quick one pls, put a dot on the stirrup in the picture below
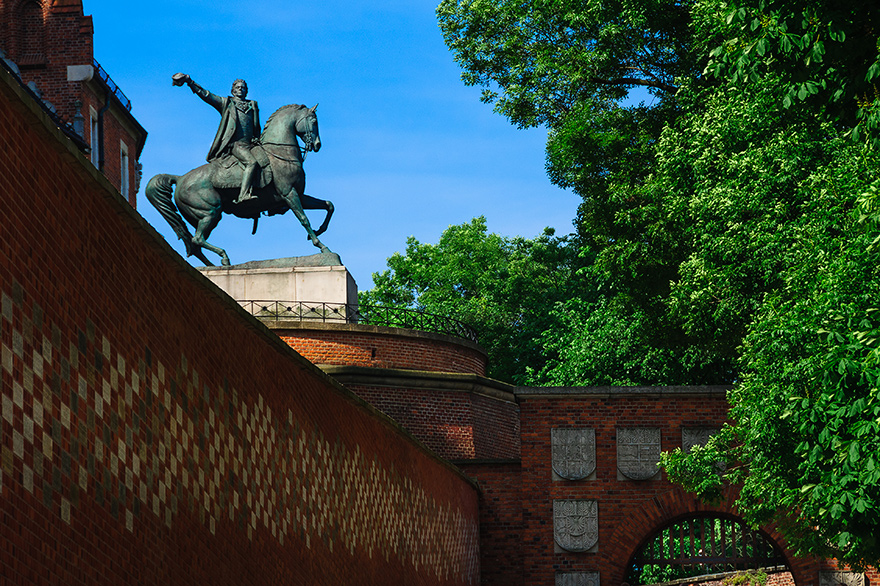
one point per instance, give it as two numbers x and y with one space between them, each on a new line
241 199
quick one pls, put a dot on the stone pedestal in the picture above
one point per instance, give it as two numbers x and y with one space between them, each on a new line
303 279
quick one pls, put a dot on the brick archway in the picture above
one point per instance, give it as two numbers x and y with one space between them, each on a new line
651 515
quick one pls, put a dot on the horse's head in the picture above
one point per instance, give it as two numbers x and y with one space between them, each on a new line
291 121
307 129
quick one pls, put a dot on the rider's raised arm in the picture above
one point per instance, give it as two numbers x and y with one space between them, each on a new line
208 97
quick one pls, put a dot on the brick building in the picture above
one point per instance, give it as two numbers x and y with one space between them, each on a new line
48 45
138 445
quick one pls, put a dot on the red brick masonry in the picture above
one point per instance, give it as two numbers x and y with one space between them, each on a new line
384 348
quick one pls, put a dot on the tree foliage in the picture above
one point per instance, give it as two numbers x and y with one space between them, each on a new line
805 445
569 65
704 238
539 60
826 52
502 287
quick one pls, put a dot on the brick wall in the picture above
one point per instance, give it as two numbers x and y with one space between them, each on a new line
872 575
117 129
65 39
457 425
151 432
629 511
774 578
412 351
501 521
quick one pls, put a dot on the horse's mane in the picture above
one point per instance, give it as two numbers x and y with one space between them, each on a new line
278 111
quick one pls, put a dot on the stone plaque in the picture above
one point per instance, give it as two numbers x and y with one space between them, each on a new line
576 524
577 578
638 452
841 579
695 436
573 452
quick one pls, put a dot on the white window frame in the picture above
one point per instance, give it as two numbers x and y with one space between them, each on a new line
124 175
93 135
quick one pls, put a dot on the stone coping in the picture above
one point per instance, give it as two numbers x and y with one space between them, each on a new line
318 326
487 462
618 392
421 380
322 260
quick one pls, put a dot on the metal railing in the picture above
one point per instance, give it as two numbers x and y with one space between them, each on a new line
112 85
375 315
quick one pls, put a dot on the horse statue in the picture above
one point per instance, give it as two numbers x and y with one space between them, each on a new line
205 193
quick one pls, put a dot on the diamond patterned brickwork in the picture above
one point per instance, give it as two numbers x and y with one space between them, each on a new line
152 433
143 441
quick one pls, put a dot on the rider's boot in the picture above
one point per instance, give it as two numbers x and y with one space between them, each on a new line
247 184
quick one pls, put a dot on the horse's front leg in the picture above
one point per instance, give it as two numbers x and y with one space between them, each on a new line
292 198
313 203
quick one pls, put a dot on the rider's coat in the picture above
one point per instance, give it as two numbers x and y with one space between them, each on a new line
230 126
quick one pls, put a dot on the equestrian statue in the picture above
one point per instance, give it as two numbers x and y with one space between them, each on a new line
247 173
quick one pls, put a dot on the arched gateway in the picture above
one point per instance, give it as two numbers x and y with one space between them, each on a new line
703 544
674 536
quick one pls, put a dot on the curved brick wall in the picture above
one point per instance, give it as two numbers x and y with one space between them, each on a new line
461 417
379 347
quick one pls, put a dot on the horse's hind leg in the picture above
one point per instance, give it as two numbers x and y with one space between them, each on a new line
313 203
201 256
207 223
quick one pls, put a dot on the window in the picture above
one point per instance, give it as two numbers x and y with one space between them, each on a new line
123 170
93 135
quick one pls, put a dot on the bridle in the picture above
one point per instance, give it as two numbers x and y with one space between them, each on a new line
308 142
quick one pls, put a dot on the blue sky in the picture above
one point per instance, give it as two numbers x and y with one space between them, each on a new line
407 149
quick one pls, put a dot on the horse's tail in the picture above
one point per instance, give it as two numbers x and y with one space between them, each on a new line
160 192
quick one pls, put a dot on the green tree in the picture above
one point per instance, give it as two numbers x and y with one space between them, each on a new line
826 52
805 442
569 65
539 60
707 235
502 287
606 342
727 230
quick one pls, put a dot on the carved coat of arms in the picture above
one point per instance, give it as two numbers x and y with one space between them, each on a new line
577 578
576 524
841 579
695 436
638 452
573 452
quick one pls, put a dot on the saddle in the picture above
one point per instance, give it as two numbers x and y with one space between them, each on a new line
226 170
